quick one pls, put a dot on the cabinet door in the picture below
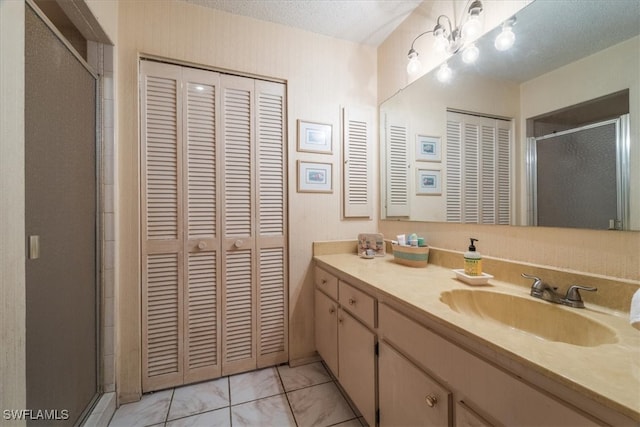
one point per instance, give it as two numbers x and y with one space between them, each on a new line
408 396
356 358
326 326
467 417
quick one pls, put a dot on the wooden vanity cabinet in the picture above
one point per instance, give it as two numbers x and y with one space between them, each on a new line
495 394
344 323
326 329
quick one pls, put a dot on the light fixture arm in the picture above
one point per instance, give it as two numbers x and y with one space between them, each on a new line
417 37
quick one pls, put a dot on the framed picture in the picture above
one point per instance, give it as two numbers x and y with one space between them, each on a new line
428 148
429 182
314 137
314 177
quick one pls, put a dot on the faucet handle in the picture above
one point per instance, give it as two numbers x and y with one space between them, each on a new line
573 298
535 279
537 282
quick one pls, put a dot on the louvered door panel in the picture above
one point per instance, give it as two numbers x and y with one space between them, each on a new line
454 171
356 174
201 313
238 228
470 180
161 188
162 316
162 158
503 186
272 308
201 159
239 308
271 161
271 247
237 162
397 171
488 175
202 301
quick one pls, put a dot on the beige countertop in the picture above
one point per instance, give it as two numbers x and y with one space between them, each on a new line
608 374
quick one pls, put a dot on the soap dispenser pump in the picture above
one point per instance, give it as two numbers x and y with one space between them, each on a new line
472 260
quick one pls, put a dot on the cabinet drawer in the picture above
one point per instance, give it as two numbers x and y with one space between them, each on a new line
326 282
357 303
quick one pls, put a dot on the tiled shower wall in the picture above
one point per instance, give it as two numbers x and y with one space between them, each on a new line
100 56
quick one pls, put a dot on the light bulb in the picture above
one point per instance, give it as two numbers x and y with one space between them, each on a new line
441 42
414 66
444 73
471 28
505 39
470 54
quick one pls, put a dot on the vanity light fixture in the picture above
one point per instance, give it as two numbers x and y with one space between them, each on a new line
451 40
447 38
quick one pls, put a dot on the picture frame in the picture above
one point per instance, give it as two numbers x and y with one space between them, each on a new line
314 177
428 148
315 137
428 182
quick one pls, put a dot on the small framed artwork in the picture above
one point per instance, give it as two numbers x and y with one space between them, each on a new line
429 182
314 137
314 177
428 148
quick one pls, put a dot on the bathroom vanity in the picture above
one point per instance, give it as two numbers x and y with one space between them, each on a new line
414 346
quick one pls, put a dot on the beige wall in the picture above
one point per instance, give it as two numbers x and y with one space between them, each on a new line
322 74
12 225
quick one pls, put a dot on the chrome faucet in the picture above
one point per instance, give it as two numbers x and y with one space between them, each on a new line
544 291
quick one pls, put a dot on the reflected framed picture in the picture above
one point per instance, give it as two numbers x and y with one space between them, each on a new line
314 137
428 148
314 177
428 182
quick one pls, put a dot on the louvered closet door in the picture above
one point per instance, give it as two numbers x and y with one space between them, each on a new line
180 247
162 216
201 236
238 226
214 225
271 243
254 271
478 169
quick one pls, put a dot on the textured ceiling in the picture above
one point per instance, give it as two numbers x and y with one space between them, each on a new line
362 21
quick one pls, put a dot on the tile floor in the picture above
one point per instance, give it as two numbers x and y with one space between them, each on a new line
281 396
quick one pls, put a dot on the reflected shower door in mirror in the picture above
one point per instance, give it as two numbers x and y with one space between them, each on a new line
539 76
570 169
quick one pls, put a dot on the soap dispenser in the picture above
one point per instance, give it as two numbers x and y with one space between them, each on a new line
472 260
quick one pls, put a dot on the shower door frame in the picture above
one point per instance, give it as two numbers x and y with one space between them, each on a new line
99 205
622 169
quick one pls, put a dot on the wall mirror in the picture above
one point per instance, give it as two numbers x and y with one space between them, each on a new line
573 65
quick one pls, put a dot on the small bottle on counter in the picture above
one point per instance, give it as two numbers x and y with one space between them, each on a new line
472 260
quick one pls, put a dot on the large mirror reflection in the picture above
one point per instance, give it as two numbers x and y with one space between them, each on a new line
546 133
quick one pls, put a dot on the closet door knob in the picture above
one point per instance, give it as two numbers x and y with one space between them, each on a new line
352 301
202 245
332 310
431 400
238 243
